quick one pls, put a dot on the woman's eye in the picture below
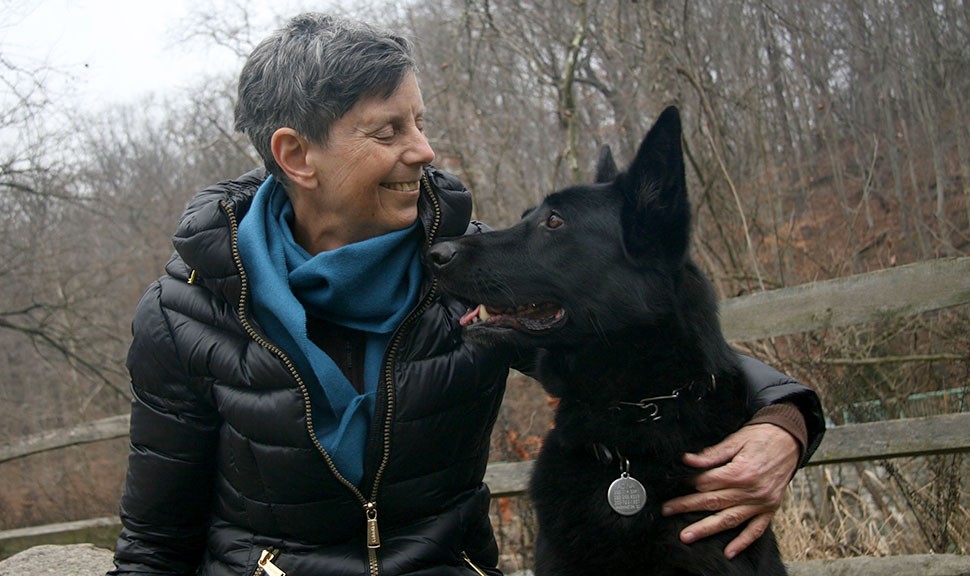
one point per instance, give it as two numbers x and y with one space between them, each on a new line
554 221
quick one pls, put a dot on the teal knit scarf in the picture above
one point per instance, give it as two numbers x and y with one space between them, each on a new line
369 286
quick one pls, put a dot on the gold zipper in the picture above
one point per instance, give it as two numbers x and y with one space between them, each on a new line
370 505
398 336
276 351
279 353
370 508
265 564
436 221
471 564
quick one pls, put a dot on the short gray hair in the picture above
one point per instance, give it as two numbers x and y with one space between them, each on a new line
308 74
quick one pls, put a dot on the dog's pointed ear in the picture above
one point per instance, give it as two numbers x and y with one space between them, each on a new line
606 169
657 219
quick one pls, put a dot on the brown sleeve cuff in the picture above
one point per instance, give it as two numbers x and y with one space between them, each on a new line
786 416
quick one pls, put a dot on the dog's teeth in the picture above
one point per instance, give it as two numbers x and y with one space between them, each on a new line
483 313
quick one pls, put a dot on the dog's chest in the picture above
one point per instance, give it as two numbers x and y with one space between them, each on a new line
576 492
611 457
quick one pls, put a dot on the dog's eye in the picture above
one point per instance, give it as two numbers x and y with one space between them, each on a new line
554 221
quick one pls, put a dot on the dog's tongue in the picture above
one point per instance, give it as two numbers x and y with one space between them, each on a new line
470 316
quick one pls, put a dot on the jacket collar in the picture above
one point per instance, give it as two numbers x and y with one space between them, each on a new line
204 240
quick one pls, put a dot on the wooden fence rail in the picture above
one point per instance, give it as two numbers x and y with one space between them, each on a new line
850 443
94 431
901 291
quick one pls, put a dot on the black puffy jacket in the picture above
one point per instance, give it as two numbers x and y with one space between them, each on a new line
224 464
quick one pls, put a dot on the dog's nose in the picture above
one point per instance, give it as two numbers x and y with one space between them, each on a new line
442 253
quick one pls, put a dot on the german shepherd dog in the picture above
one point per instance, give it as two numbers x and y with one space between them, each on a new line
598 279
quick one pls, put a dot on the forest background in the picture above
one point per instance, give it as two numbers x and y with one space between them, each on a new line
824 139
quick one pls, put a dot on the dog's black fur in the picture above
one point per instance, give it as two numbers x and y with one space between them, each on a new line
602 282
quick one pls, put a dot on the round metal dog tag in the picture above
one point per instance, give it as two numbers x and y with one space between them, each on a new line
626 495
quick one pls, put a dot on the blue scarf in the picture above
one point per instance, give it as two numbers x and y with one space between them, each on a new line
369 286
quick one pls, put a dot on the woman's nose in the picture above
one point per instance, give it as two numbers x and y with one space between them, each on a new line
419 150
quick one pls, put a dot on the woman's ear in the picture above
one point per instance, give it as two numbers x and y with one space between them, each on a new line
290 150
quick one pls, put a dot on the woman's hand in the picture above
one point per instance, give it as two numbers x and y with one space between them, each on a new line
744 481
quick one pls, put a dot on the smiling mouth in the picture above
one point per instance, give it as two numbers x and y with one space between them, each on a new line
402 186
527 318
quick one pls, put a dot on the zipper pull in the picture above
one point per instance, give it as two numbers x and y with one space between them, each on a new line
471 564
267 566
373 536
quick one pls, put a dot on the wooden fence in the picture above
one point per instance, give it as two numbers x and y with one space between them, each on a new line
901 291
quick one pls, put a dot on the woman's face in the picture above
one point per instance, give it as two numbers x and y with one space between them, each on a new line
369 170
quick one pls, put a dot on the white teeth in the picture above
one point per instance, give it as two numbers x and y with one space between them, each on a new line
402 186
483 313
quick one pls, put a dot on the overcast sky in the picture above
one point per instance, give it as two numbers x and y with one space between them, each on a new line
112 51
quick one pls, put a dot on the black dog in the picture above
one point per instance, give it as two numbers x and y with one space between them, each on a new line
599 277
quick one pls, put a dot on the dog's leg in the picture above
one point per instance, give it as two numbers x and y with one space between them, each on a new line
543 557
548 561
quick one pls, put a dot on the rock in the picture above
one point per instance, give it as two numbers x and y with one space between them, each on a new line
50 560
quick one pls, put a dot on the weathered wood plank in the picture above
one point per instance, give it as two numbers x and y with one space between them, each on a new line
87 560
894 438
94 431
21 557
900 291
910 289
909 565
887 439
850 443
508 478
98 531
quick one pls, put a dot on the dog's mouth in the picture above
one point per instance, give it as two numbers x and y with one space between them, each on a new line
528 318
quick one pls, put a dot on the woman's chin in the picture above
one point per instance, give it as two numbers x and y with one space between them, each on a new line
402 219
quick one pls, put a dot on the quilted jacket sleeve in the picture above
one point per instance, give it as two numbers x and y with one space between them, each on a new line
768 386
167 490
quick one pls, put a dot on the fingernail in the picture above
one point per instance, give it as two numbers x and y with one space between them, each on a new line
666 511
687 537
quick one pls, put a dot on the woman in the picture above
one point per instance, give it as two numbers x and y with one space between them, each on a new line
303 400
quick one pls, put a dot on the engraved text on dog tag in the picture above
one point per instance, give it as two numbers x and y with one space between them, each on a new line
626 495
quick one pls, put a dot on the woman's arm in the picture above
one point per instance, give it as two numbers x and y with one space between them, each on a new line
745 475
167 494
769 387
